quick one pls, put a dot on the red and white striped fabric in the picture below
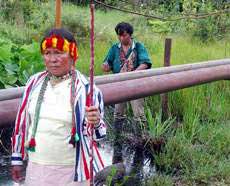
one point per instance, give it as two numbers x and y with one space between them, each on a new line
22 125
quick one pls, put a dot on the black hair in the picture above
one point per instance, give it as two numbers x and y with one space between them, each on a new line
60 32
124 27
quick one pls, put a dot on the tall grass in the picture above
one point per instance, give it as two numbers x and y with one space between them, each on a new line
198 152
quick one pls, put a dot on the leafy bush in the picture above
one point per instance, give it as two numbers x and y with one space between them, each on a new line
17 63
8 70
206 30
160 27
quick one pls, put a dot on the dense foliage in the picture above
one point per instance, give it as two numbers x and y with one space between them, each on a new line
205 29
18 63
208 28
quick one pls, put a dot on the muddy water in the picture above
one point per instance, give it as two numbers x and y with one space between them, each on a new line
137 167
5 178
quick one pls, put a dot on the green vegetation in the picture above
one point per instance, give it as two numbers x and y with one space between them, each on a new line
17 63
197 148
157 127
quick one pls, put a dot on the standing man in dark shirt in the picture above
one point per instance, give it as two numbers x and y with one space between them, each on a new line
125 56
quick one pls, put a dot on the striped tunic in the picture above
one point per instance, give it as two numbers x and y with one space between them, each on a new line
82 160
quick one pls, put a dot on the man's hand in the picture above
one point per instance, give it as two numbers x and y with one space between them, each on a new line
142 66
92 115
17 173
105 67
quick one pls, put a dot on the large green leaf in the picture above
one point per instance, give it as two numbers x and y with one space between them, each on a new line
7 79
5 53
11 68
25 66
31 51
31 58
23 77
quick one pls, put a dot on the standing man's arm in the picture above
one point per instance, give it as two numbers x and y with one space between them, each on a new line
143 57
107 65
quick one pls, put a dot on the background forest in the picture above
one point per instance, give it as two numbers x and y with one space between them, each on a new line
24 22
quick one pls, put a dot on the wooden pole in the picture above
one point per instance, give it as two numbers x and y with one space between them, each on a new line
92 6
164 97
58 14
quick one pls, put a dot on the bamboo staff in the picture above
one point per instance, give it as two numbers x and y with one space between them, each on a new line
92 6
58 14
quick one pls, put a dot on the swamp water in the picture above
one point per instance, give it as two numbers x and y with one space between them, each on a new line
137 169
137 164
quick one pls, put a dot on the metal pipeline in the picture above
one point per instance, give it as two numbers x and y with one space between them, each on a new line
137 88
143 87
13 93
8 111
111 78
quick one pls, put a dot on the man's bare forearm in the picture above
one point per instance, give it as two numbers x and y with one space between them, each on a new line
142 66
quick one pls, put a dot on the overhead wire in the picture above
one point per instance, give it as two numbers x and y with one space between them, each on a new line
128 11
167 18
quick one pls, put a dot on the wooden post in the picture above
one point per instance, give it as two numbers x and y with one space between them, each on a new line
164 97
58 14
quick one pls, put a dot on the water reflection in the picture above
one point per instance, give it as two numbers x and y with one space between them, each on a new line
5 176
137 167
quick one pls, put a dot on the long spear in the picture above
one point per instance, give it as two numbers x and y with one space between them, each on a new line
92 6
58 14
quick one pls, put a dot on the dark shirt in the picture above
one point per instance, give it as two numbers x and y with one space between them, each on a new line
115 63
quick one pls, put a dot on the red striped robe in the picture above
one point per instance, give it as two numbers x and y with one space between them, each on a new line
82 147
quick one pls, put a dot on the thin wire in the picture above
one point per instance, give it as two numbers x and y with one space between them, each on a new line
129 11
189 16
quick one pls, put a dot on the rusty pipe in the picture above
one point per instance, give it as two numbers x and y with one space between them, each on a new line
143 87
13 93
8 111
138 88
111 78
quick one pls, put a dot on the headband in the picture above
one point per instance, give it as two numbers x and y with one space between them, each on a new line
56 41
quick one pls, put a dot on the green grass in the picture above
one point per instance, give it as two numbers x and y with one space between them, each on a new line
183 51
197 148
160 180
198 152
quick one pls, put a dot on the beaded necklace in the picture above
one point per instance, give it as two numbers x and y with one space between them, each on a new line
74 136
55 80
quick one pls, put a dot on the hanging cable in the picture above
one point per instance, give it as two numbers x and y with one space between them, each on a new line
167 18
